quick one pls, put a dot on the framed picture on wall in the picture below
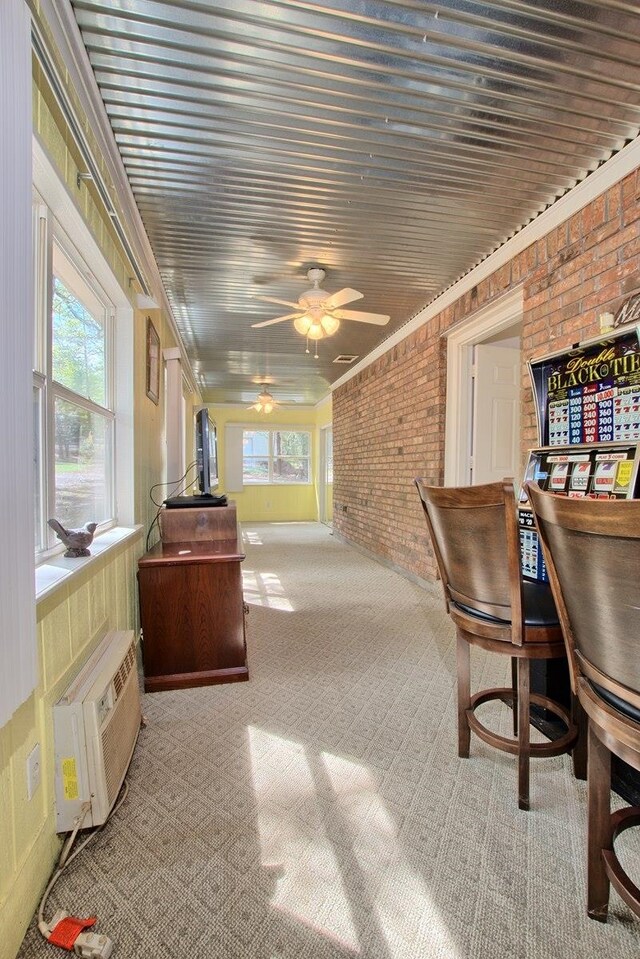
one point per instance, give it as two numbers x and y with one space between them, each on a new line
153 362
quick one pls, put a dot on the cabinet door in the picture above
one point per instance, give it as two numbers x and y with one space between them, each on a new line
192 620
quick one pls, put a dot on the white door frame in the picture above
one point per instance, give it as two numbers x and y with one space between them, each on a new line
322 473
460 342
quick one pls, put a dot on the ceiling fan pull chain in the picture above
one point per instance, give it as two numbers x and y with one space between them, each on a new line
307 349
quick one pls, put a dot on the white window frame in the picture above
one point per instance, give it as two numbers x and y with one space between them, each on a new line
272 430
47 235
61 210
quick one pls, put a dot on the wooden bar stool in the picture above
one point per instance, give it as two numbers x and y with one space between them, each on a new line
475 539
592 551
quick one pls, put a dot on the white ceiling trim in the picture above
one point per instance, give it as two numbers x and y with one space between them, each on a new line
606 176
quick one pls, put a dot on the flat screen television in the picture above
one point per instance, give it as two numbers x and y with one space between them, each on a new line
206 453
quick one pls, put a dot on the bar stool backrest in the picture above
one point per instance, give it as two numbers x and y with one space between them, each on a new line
592 551
474 535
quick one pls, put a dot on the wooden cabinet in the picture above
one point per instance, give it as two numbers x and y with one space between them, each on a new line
192 613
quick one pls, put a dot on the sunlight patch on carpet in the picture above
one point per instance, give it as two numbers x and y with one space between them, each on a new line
294 844
264 589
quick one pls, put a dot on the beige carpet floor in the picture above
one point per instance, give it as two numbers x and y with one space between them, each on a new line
319 811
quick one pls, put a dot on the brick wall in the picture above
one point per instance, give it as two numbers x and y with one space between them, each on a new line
389 420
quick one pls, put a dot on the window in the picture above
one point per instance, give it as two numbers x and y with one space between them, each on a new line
276 456
73 407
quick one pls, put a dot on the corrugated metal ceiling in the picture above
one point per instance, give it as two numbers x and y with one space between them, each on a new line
395 143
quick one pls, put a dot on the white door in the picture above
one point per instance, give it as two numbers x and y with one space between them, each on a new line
495 438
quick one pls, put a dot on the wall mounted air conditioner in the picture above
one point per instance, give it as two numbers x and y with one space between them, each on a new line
96 725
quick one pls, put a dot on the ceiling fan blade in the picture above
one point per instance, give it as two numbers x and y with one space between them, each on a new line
378 318
272 299
340 298
278 319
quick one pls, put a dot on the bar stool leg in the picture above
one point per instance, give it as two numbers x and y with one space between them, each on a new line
514 686
524 747
579 752
463 655
599 827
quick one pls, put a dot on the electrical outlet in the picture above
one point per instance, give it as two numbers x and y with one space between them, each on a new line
33 770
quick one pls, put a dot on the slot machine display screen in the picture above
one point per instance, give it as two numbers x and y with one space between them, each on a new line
590 394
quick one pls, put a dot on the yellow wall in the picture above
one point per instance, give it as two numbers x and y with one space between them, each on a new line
70 625
71 621
273 503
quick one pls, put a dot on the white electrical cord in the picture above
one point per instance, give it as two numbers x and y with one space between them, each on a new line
64 858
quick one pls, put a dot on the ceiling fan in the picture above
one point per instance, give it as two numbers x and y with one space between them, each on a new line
265 403
318 313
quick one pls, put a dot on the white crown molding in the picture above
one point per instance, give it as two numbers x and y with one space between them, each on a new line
606 176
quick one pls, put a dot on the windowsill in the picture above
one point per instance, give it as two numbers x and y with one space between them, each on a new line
60 570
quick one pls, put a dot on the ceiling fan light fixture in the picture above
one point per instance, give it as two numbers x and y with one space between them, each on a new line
315 331
330 324
302 324
265 402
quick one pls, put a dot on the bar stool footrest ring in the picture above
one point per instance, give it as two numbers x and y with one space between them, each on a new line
510 745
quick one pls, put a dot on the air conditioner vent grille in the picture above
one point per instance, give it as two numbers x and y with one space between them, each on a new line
119 736
346 358
123 672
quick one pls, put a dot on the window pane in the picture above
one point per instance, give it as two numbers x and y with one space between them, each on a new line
255 442
290 470
78 345
82 439
255 469
290 444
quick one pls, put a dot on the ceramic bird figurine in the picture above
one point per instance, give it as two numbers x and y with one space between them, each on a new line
77 541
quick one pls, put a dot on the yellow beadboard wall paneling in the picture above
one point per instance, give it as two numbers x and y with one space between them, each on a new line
51 130
148 421
274 503
72 161
68 631
80 614
28 815
56 643
7 859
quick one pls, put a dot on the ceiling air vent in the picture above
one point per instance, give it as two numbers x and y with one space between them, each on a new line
345 358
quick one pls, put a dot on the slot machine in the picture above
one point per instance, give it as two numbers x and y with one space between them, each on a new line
587 402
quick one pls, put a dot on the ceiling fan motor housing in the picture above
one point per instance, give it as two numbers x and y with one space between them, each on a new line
312 299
